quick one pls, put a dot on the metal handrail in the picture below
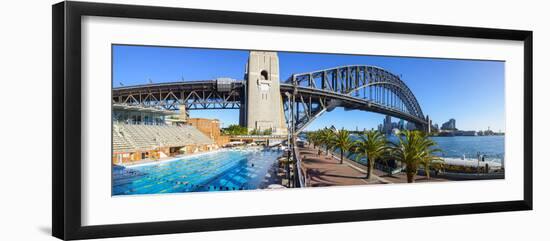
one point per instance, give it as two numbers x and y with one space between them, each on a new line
301 178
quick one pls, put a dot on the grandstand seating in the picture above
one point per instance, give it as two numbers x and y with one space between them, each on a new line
130 137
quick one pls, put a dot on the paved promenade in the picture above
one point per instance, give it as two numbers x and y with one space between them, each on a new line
327 171
322 170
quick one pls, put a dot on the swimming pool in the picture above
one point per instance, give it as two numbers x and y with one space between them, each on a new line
218 171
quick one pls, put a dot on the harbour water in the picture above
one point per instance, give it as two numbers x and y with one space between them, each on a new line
491 147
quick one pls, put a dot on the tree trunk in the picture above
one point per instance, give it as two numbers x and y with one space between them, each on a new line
427 170
341 156
370 167
410 177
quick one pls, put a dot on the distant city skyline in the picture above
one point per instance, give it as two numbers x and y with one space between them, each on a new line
469 91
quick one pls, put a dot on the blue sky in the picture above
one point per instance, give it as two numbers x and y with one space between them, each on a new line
470 91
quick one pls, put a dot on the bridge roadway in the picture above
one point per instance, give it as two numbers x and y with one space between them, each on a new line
210 94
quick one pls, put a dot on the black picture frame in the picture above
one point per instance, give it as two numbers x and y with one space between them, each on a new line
66 158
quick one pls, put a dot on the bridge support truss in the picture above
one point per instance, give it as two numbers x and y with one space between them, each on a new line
352 87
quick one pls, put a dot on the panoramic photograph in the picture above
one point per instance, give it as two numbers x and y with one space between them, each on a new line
209 120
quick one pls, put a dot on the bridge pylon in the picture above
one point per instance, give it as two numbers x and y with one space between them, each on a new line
264 105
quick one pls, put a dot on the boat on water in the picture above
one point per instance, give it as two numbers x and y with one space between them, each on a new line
472 162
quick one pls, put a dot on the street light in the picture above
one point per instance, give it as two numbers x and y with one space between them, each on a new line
290 136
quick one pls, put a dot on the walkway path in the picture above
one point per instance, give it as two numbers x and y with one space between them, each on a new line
327 171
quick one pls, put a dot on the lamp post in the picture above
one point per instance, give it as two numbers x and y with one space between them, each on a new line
289 137
478 159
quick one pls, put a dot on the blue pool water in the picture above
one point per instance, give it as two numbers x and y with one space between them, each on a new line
218 171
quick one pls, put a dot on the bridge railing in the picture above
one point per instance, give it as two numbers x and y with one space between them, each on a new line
301 175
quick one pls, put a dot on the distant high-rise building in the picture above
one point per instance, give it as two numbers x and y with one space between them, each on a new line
401 125
435 128
449 125
411 126
387 125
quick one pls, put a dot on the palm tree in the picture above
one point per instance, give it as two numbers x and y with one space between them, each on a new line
326 137
371 145
316 139
311 138
343 142
429 159
413 149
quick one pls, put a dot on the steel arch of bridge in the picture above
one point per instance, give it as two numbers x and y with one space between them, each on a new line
369 88
306 96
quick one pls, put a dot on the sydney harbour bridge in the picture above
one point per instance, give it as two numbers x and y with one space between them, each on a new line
285 106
